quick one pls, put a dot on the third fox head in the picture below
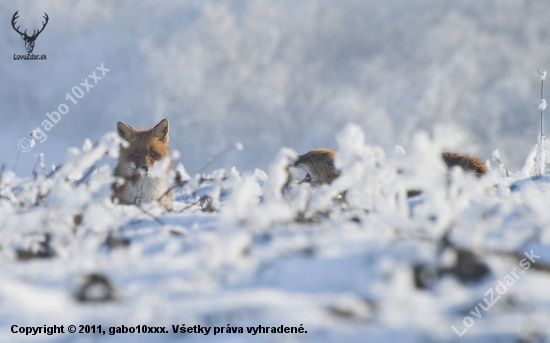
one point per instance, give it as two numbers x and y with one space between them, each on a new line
146 147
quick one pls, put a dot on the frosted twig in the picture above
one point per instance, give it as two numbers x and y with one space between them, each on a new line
54 169
178 183
88 173
160 222
34 168
16 159
502 166
541 156
542 105
496 157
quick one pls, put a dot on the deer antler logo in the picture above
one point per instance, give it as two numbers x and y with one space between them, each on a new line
29 41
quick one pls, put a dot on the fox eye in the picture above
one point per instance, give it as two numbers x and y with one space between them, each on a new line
153 153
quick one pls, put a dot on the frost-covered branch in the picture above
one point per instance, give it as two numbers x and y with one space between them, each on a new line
542 146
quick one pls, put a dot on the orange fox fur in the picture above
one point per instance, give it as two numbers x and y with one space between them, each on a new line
146 147
468 163
319 165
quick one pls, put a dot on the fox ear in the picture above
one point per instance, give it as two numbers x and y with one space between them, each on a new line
125 131
161 131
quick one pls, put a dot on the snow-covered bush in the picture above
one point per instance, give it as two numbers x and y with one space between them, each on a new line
357 258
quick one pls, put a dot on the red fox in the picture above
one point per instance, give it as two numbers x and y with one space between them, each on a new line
319 166
135 161
469 163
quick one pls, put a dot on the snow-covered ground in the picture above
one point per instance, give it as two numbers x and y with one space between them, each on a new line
466 260
388 84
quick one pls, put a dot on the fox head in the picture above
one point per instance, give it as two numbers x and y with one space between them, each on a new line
146 147
315 167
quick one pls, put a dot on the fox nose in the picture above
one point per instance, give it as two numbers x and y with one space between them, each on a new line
145 169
